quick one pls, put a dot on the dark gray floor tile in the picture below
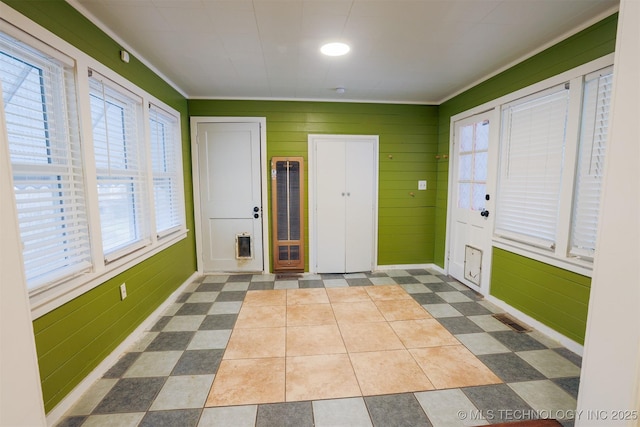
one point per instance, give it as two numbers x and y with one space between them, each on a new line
445 278
292 414
472 295
440 287
359 282
470 308
570 385
231 296
517 341
121 366
210 287
161 323
396 410
418 272
240 278
511 368
460 325
218 321
569 355
497 402
376 274
174 418
567 423
405 280
183 297
130 395
428 298
261 286
166 341
71 421
331 276
194 308
198 362
310 284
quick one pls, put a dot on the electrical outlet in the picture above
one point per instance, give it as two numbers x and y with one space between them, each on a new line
123 291
422 185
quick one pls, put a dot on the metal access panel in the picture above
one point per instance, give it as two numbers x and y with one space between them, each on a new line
472 264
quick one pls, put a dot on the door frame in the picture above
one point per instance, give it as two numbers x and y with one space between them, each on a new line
195 173
492 171
312 140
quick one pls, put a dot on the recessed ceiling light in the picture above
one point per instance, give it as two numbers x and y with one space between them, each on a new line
335 49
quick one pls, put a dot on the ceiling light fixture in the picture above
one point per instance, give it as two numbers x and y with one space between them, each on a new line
335 49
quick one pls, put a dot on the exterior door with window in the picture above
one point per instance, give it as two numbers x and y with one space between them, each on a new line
471 216
230 196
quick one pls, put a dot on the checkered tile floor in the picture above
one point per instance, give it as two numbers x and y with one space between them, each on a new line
165 378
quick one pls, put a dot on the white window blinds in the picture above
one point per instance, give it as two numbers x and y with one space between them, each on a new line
42 127
166 161
591 152
529 183
119 157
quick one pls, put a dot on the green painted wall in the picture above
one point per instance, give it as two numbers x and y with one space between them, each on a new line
553 296
408 133
558 298
73 339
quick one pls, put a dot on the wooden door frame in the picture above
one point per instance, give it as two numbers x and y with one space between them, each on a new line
311 170
195 174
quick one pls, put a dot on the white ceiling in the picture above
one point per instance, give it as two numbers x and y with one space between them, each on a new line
419 51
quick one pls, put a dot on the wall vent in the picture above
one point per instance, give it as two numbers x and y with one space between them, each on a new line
511 322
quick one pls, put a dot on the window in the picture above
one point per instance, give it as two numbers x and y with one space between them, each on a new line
42 127
591 152
167 172
529 184
119 159
472 169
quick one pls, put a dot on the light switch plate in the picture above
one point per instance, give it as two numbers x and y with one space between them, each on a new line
422 185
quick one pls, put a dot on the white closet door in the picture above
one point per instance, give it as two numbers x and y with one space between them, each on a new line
359 184
330 206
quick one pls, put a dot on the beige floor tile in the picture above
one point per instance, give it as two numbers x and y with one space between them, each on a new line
274 297
423 333
388 372
453 366
401 310
248 382
268 316
391 292
351 294
357 312
307 296
314 340
256 343
320 377
310 314
374 336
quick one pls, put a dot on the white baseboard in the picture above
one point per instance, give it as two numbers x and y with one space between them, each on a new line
536 324
432 266
56 414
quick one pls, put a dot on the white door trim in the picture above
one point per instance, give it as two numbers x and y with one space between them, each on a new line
195 121
493 113
311 168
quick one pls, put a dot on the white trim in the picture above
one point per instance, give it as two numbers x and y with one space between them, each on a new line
336 100
56 414
262 121
430 266
534 52
537 325
95 21
311 159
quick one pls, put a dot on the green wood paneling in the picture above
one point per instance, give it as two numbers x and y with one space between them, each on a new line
73 339
556 297
408 144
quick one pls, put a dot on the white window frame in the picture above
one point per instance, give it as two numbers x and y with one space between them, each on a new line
48 298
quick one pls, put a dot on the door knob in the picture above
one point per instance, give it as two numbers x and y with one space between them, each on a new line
256 209
484 213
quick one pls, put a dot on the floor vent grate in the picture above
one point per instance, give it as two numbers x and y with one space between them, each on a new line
511 322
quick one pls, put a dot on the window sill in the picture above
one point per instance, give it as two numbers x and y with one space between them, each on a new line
575 265
48 299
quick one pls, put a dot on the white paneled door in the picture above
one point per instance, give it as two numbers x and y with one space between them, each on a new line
343 196
230 196
471 216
